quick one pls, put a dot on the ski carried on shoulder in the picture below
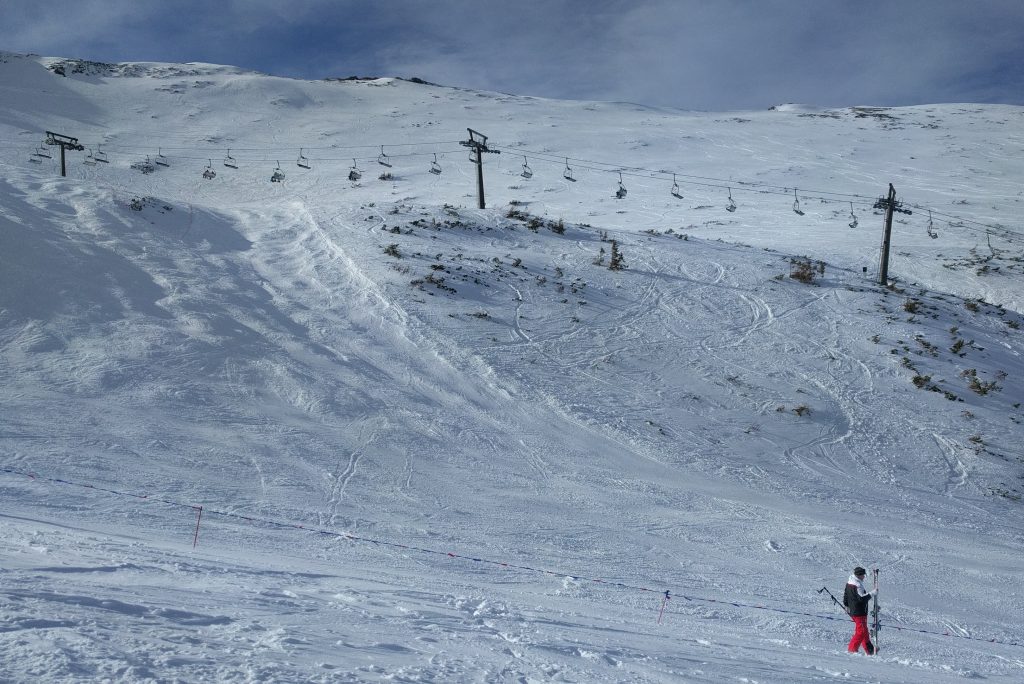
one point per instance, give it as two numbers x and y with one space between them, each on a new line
874 613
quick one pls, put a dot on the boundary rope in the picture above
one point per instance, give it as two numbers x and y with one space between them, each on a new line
667 594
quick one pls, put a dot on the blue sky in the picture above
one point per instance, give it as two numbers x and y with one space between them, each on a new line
693 54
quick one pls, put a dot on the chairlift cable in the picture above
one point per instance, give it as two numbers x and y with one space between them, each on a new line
652 173
276 149
836 197
592 165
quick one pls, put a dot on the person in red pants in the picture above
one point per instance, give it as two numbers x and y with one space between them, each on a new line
856 600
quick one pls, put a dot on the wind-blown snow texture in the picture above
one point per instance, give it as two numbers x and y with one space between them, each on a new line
699 422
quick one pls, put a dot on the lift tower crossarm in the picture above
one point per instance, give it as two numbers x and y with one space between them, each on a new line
66 142
477 144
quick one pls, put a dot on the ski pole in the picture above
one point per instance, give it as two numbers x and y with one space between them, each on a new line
834 599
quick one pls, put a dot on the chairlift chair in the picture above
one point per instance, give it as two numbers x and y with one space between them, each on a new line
230 161
41 151
302 162
435 168
34 158
160 158
796 204
208 172
931 227
100 155
567 174
278 175
354 173
383 159
675 188
853 217
621 192
527 171
144 166
731 206
89 160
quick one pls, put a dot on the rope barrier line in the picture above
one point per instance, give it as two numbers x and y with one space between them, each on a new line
664 593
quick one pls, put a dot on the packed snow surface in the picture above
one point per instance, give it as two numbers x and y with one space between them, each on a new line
439 443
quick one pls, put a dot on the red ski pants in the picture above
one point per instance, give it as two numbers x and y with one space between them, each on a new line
860 635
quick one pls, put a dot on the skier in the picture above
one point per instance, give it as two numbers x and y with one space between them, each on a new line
856 600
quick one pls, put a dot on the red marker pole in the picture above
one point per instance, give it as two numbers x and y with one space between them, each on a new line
664 602
199 517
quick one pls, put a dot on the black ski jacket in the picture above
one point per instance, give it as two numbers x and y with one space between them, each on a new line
855 601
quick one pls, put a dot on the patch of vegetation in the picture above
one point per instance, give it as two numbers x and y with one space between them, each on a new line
1005 493
977 385
805 270
616 262
927 346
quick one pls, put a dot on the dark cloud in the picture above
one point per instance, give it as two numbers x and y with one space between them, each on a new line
684 53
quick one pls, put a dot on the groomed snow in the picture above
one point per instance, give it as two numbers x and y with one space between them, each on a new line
381 359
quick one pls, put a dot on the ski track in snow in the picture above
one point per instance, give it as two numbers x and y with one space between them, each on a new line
248 346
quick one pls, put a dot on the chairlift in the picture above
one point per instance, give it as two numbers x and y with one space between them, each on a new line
796 204
931 227
144 166
278 174
567 174
100 155
731 206
853 217
302 162
230 161
161 160
383 159
34 158
621 192
41 151
89 160
675 188
527 171
435 168
208 172
354 173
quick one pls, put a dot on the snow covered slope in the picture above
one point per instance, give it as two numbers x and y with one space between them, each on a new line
439 443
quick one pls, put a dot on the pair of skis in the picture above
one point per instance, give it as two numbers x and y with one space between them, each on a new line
874 613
